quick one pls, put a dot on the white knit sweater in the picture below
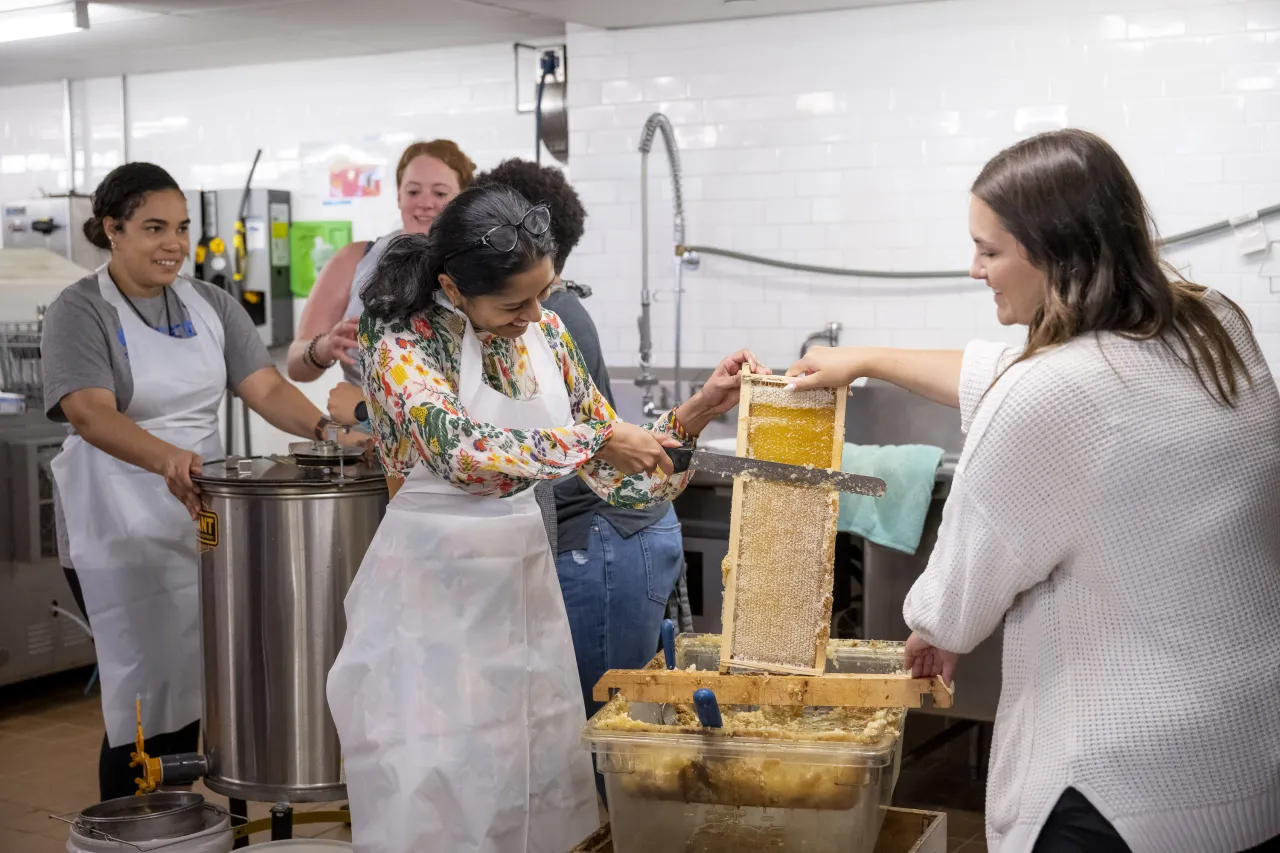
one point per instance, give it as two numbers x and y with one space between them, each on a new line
1126 528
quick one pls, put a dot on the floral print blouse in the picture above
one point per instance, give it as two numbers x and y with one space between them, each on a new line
410 370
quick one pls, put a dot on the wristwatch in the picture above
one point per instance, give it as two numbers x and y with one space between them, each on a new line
362 412
321 425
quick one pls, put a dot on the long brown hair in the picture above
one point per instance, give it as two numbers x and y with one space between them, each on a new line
1072 205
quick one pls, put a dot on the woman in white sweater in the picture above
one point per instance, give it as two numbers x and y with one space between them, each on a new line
1117 507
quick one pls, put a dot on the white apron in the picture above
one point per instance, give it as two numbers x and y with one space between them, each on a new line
133 544
355 305
455 694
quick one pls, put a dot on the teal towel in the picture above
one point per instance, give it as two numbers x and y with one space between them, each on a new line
895 520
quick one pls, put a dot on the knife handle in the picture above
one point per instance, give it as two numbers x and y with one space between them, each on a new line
681 458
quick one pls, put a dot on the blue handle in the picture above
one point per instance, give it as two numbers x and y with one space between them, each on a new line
669 642
708 709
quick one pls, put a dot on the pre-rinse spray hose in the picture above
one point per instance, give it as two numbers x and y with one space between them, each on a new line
1176 239
658 123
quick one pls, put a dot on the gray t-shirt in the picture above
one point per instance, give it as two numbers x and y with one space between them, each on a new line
82 345
575 502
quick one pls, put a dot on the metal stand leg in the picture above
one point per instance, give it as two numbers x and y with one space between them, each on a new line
684 620
281 822
985 732
239 816
954 729
975 751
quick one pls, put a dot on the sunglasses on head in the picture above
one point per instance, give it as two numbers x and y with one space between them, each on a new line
503 238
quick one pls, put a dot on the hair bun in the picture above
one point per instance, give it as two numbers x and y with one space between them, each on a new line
96 233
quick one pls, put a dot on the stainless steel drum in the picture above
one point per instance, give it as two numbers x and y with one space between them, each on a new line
281 540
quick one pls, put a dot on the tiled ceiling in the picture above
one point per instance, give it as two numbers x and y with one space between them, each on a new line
144 36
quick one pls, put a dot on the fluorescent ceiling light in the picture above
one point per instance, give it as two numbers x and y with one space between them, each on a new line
40 21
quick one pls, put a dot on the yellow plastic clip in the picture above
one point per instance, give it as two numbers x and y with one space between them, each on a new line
240 247
152 775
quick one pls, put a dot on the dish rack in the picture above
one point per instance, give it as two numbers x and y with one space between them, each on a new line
20 368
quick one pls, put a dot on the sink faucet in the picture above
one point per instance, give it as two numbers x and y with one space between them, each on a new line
830 336
650 408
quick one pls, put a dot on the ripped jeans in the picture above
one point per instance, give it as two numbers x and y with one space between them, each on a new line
616 595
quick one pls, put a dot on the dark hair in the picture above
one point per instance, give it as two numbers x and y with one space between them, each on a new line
120 194
544 185
408 273
444 150
1074 208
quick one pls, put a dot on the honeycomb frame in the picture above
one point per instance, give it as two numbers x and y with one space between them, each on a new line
785 604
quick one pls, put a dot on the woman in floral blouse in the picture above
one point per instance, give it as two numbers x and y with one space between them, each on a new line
456 684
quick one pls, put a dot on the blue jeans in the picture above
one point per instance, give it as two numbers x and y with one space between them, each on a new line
616 595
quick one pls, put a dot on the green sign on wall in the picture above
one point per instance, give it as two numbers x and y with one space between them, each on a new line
312 244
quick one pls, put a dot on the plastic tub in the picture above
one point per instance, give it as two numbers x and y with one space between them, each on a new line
810 779
702 652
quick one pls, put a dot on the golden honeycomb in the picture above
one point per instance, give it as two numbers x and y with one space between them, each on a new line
795 436
783 565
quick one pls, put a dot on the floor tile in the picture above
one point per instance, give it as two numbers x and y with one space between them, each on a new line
27 724
338 833
10 810
963 826
38 822
979 846
25 842
15 787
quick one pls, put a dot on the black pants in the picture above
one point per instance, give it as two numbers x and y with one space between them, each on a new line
115 776
1075 826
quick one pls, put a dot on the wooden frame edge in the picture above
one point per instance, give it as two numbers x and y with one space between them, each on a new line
729 572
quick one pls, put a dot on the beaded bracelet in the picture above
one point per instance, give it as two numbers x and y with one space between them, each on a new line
309 356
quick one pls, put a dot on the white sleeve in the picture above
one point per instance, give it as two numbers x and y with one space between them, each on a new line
1011 516
982 363
971 580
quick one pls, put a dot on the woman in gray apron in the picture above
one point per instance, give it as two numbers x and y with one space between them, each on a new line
137 358
428 175
455 694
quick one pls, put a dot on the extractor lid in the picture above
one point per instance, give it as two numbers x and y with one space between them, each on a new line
291 470
323 453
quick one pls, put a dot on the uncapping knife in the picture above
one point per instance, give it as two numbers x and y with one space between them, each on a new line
684 459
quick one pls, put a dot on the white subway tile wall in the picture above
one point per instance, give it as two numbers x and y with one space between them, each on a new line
844 138
204 126
851 139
